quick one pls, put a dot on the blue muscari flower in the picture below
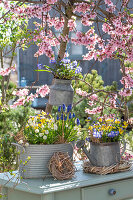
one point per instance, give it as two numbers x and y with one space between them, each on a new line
78 122
57 117
65 118
62 116
64 107
73 115
39 66
59 108
69 108
70 116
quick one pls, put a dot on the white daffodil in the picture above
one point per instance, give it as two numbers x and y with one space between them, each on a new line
55 127
66 125
20 141
27 144
46 132
44 137
37 131
41 134
30 121
53 120
49 125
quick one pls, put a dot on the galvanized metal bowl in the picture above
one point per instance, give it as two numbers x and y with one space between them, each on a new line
61 92
105 154
37 166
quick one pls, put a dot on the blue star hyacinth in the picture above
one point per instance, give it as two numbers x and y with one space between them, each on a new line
97 134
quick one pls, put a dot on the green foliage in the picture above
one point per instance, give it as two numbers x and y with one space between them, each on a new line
11 30
11 121
129 139
90 80
60 127
65 69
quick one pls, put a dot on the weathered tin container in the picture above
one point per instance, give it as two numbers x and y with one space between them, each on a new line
61 92
37 166
105 154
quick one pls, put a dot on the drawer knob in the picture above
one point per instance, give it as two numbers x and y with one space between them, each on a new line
112 192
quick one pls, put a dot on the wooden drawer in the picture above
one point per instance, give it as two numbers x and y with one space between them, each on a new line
123 188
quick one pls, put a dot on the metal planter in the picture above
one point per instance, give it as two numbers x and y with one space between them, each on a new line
37 166
105 154
61 92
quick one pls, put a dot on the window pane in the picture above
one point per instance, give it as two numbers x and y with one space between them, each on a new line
76 49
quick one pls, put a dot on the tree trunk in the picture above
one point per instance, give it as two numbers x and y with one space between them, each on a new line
63 44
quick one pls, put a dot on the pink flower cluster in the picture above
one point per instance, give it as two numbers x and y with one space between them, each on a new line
87 19
71 24
81 92
21 92
127 156
43 91
82 7
25 98
51 1
7 71
94 110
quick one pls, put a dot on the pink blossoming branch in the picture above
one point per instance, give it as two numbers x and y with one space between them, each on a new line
24 96
116 22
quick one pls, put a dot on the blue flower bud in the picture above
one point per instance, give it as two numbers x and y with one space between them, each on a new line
59 108
78 122
57 117
62 116
70 116
68 109
65 118
73 115
64 107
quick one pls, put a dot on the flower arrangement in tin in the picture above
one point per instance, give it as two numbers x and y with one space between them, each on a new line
64 69
106 129
62 127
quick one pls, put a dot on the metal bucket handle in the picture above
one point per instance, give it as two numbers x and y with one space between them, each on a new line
124 147
18 145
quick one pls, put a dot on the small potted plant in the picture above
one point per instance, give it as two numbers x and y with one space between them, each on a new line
64 71
45 134
105 135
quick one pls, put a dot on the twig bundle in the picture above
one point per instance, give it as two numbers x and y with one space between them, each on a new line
61 166
120 167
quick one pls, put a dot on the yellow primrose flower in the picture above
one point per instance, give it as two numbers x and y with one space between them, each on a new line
100 120
117 121
90 128
121 130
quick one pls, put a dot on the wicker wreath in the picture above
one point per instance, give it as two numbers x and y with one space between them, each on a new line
61 166
120 167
